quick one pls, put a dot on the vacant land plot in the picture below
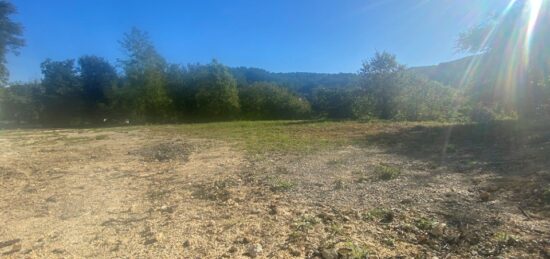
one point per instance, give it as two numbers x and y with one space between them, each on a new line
277 190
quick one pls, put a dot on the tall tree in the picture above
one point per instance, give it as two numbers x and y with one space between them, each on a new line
62 92
98 78
10 37
217 95
381 78
145 71
18 103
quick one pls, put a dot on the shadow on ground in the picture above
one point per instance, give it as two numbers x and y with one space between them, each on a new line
502 145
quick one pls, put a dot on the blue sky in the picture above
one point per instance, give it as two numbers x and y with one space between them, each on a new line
281 36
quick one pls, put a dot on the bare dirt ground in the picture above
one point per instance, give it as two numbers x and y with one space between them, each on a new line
135 192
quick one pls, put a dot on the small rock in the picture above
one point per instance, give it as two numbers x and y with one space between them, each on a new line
243 240
439 230
484 196
295 252
492 188
187 243
166 209
329 254
232 249
407 201
254 250
150 241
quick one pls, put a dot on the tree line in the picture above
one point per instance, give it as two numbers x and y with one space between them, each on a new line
144 88
148 89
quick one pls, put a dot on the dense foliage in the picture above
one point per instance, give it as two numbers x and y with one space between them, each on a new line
144 88
149 89
10 37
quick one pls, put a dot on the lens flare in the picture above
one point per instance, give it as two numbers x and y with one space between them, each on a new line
535 7
507 51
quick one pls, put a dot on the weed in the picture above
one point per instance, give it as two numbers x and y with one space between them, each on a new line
380 214
386 173
504 238
336 228
306 222
425 224
277 184
352 250
388 241
361 176
339 184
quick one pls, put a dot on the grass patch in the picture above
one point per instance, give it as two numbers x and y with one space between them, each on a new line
260 137
425 224
386 173
504 238
380 214
352 250
306 222
101 137
277 184
339 184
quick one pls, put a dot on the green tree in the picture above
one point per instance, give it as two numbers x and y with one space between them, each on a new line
421 99
217 96
19 103
381 79
98 78
145 95
269 101
10 37
62 99
180 90
334 103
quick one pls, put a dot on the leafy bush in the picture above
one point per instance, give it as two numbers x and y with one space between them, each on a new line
482 114
334 103
269 101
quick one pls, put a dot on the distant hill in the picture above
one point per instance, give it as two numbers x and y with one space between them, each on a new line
449 73
300 82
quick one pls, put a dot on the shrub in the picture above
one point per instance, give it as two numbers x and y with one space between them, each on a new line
269 101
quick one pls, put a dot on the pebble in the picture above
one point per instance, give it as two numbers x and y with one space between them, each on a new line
329 254
187 243
484 196
254 250
295 252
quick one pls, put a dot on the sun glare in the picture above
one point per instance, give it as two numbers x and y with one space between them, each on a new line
535 7
517 43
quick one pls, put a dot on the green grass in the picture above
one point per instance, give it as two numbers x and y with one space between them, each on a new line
425 223
386 173
355 251
286 136
277 184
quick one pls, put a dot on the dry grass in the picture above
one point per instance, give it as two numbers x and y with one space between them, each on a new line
297 188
